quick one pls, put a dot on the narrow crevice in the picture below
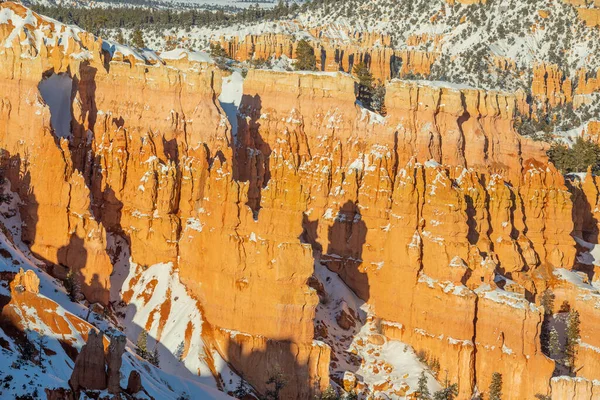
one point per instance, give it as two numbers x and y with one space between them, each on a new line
474 340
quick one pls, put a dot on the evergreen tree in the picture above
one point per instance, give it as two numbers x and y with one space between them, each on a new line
422 389
216 50
72 285
154 358
242 388
364 92
120 38
577 158
350 396
547 301
378 101
554 344
305 57
27 349
496 387
141 348
573 335
180 350
565 307
329 394
137 39
449 392
41 341
278 381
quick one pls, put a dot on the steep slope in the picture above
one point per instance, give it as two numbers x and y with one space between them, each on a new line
42 331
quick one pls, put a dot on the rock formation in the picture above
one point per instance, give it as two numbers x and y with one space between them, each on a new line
445 221
89 370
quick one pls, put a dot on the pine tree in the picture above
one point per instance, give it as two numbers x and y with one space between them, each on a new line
350 396
329 394
216 50
72 285
573 335
278 381
120 38
365 84
565 307
449 392
41 341
154 358
141 348
27 349
496 387
242 388
422 388
554 344
180 351
305 57
547 301
378 101
137 39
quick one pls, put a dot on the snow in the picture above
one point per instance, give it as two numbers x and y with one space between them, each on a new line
511 299
404 363
56 92
173 379
114 48
575 278
231 96
591 254
178 54
432 164
192 373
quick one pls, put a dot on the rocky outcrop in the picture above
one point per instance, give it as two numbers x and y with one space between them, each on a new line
114 359
333 55
134 383
26 281
89 370
575 388
450 228
588 11
550 85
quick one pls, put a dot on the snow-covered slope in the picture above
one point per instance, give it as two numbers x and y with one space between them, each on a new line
51 320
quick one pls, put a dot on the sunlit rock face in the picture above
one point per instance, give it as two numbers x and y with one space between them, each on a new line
439 216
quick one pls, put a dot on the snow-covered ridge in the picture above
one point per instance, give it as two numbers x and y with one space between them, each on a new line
31 31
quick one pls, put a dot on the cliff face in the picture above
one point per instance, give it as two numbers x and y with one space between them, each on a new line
420 241
588 11
440 217
159 174
375 50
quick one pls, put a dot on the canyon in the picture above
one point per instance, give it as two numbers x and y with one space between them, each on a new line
206 216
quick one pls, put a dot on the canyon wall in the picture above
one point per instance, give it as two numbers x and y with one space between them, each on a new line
148 157
332 55
416 211
444 220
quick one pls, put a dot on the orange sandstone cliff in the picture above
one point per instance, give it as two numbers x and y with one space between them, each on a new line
440 217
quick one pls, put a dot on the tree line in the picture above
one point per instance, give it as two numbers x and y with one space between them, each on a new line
96 19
